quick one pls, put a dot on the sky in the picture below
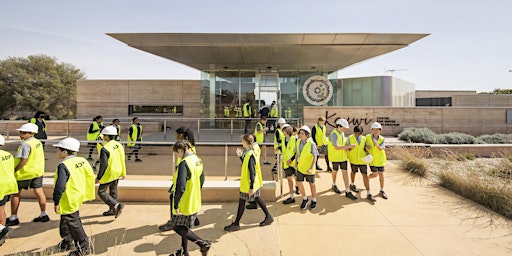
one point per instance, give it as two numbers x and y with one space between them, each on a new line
469 46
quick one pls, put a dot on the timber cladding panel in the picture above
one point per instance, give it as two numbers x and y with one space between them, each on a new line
474 121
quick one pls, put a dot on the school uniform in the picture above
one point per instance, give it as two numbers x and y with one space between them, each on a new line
356 154
306 152
338 157
379 156
8 184
289 154
135 134
31 174
112 167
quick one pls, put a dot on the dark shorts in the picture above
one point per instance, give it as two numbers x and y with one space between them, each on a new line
245 196
184 220
339 165
377 168
309 178
290 171
322 149
360 167
33 183
5 200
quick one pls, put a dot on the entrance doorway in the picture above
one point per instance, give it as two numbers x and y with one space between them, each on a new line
268 90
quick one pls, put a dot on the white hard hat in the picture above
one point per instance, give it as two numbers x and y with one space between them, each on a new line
285 125
2 140
305 128
109 130
28 127
342 122
367 159
376 126
69 144
281 121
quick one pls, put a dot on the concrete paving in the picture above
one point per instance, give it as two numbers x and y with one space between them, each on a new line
419 218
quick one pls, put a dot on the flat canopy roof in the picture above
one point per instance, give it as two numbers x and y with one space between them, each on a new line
302 52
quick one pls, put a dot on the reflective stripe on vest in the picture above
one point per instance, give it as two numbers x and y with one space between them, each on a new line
79 187
305 158
190 202
8 184
336 155
116 163
35 162
355 154
379 156
244 176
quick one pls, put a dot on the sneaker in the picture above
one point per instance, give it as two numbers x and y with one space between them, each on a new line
266 163
197 222
313 205
371 198
297 190
304 204
251 206
354 188
335 189
232 227
289 201
109 213
166 227
383 194
118 210
138 160
204 246
65 245
4 232
10 222
350 195
44 218
267 221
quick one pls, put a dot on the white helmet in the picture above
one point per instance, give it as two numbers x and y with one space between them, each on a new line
342 122
28 127
2 140
69 144
109 130
306 128
376 126
281 121
285 125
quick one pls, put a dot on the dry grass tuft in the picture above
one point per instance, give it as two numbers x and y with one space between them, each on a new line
413 159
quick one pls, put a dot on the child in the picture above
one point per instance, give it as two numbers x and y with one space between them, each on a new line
278 141
116 124
93 133
8 186
376 146
338 155
307 154
135 134
259 132
74 184
289 160
356 164
319 134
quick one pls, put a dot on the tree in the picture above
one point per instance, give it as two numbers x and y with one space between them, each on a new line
499 91
38 83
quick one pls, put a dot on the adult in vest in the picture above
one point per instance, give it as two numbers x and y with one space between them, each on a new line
250 184
355 156
29 170
319 135
93 133
307 153
39 120
74 184
186 199
289 162
135 134
338 146
247 112
112 168
8 186
376 145
116 124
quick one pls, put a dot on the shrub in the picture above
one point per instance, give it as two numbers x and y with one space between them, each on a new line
419 135
458 138
497 138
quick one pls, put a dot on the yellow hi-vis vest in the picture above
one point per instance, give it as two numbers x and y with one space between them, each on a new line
8 184
379 156
274 112
260 136
278 134
247 113
245 180
305 157
33 120
178 160
135 134
336 155
288 152
94 135
257 151
226 112
320 136
35 162
190 202
355 154
116 163
80 185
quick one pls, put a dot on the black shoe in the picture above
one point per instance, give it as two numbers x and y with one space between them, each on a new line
109 213
329 169
319 169
166 227
89 158
118 210
197 222
138 160
371 198
128 157
289 201
80 252
251 206
232 227
304 204
179 252
266 163
65 245
204 246
313 205
4 232
297 190
267 221
335 189
354 188
383 194
274 170
350 195
10 222
44 218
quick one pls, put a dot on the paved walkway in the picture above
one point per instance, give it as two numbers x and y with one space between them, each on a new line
419 218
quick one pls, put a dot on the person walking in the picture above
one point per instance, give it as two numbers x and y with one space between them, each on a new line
39 120
250 184
319 135
135 134
112 168
116 124
376 145
260 132
247 111
307 153
278 141
74 184
93 134
8 186
289 161
355 156
29 170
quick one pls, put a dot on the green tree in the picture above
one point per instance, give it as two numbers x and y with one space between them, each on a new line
499 91
38 82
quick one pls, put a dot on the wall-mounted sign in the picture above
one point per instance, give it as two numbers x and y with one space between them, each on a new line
317 90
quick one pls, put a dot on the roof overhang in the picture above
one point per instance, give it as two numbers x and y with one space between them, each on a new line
302 52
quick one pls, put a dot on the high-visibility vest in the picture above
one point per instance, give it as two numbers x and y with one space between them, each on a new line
288 152
135 134
178 160
35 162
274 112
245 185
260 135
8 184
226 112
257 151
33 120
287 113
305 157
320 136
247 113
79 187
94 135
356 154
190 201
337 155
278 134
116 162
379 156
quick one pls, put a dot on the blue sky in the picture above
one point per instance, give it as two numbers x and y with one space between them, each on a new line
470 46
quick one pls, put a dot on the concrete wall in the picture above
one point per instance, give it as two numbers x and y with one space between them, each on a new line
474 121
482 100
440 94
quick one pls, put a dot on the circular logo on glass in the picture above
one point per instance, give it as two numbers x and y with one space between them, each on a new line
317 90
